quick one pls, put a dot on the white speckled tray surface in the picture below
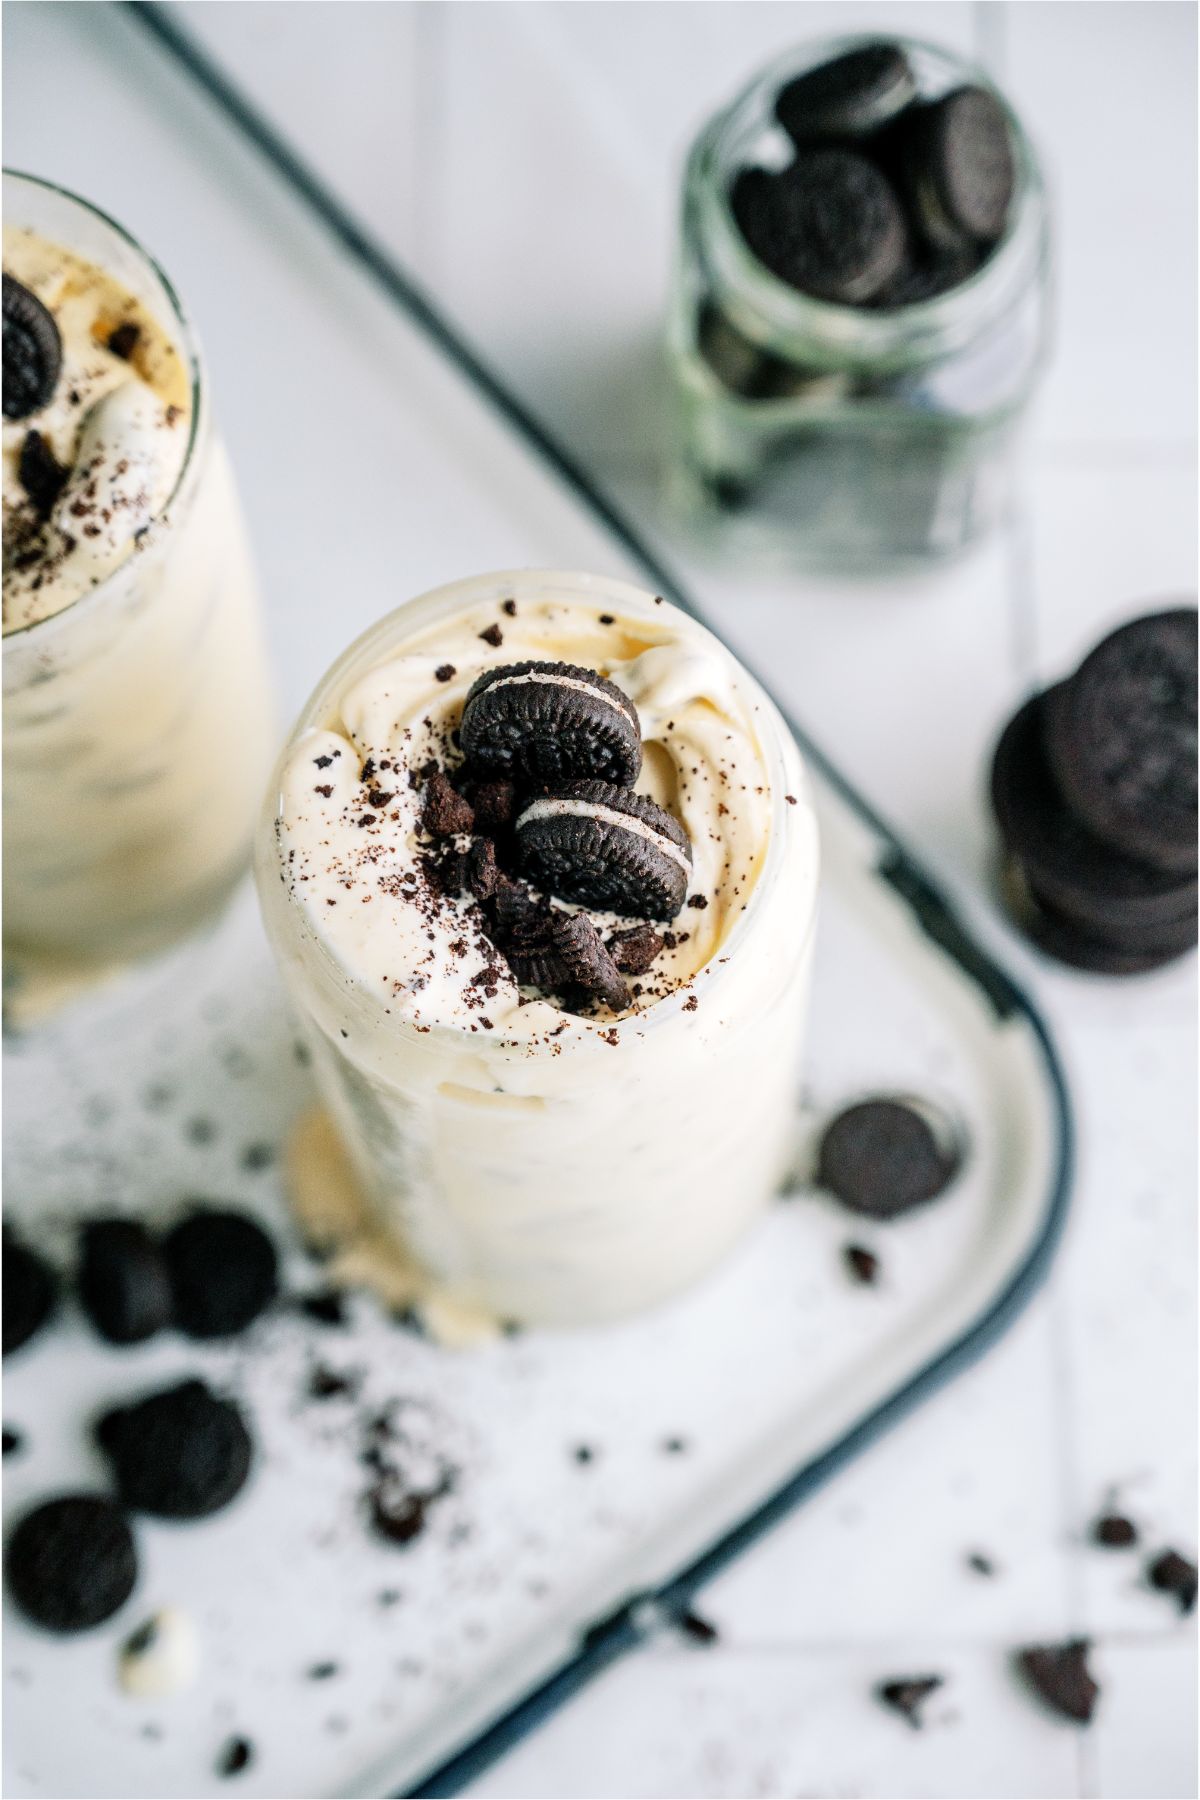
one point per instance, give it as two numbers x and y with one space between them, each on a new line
181 1082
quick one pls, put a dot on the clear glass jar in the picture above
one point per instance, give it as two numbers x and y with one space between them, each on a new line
576 1176
139 721
833 435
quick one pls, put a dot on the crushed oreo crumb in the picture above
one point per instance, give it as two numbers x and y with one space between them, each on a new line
235 1756
861 1263
1173 1574
124 340
445 812
445 672
907 1695
1114 1532
633 951
493 636
1059 1675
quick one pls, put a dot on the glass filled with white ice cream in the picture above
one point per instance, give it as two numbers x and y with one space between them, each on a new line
539 867
138 719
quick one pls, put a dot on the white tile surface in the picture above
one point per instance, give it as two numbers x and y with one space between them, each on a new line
474 136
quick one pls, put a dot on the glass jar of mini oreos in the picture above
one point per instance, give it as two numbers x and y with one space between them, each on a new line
861 306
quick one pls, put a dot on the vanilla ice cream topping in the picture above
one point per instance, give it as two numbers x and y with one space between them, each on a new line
117 425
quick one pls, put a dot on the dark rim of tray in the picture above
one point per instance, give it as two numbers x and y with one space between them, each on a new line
644 1613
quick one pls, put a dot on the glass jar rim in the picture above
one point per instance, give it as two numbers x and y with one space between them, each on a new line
578 586
755 298
190 345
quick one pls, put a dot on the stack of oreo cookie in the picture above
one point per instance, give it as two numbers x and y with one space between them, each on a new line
890 198
1094 789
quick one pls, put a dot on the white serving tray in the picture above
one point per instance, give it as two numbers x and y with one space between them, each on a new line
395 473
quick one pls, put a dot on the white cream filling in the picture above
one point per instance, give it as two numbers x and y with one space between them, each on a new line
592 809
562 681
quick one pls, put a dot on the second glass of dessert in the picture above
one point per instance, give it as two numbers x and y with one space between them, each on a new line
540 870
138 719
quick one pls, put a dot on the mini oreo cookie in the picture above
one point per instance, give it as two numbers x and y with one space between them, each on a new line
855 94
124 1283
30 1292
551 722
224 1272
1121 740
883 1158
829 225
561 953
606 847
71 1562
32 351
1108 896
959 168
180 1454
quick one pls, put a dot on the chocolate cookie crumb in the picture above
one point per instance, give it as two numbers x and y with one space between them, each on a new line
633 951
445 672
908 1694
493 636
124 340
13 1440
235 1756
1114 1531
41 474
698 1629
509 607
494 803
323 1671
1173 1574
444 811
1059 1675
979 1564
326 1307
861 1263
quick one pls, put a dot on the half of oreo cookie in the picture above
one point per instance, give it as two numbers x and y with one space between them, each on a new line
851 96
71 1562
606 847
181 1453
124 1282
32 351
959 168
548 722
1110 897
1121 739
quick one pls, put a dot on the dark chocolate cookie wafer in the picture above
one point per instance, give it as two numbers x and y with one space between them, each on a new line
224 1272
606 847
124 1283
32 351
882 1157
71 1562
549 723
562 953
849 97
830 225
30 1292
1059 1675
1106 895
181 1454
1121 739
959 168
1127 953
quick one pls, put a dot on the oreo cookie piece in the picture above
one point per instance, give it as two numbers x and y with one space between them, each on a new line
855 94
1059 1675
959 168
1174 1574
224 1272
830 225
124 1284
550 722
41 474
30 1292
561 953
925 275
71 1562
606 847
1121 740
180 1454
883 1158
1138 951
32 351
1106 896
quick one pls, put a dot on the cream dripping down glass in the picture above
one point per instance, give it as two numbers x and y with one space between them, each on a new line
513 1160
138 716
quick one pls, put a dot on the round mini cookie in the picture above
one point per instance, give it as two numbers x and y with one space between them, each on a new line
924 277
1104 893
124 1283
551 722
1069 943
830 225
606 847
30 1292
959 168
223 1269
32 351
1121 739
182 1453
853 95
882 1158
71 1562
